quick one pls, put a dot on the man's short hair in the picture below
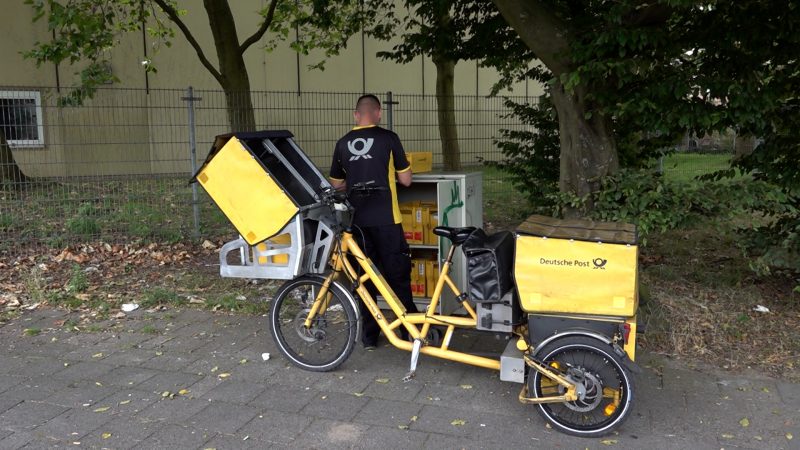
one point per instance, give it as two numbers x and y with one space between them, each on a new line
368 99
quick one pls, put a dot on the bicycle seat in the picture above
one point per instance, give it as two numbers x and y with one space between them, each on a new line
456 235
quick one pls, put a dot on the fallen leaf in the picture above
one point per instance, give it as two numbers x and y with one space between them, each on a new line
466 386
789 436
183 392
727 436
224 375
103 409
159 353
403 427
608 441
358 394
764 389
124 402
165 394
745 422
243 361
98 383
106 435
414 418
98 355
214 369
382 380
458 423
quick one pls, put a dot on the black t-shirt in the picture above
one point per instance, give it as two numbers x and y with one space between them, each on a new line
372 154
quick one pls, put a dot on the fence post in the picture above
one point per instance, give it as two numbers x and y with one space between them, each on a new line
190 99
390 110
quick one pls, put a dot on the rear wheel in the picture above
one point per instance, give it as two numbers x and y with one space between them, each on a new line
330 339
606 394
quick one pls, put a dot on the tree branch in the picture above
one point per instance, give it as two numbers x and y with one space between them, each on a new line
263 29
173 16
540 30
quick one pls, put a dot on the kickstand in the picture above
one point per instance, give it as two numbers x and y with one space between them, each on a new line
414 358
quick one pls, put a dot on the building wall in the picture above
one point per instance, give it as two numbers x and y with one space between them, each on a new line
138 132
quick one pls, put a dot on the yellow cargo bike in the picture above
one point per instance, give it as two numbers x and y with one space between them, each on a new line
564 293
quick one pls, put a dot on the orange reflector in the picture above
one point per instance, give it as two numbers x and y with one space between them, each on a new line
609 409
555 365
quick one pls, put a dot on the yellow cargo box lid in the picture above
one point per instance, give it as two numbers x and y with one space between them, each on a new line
579 229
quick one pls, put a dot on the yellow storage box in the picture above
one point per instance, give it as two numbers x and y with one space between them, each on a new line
245 192
420 161
577 267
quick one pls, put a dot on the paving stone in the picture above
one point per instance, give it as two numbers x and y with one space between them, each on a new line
393 438
70 426
324 433
223 417
28 415
284 399
170 361
235 392
84 370
176 436
168 381
16 440
275 427
124 376
176 410
388 413
122 432
76 397
129 357
335 406
127 401
237 441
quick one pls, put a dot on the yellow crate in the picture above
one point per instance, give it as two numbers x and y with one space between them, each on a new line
570 276
420 161
246 193
431 276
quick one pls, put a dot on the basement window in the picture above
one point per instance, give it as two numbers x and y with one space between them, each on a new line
21 118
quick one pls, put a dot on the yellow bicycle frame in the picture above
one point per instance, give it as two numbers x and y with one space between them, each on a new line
417 324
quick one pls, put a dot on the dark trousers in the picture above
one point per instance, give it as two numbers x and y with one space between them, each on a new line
386 246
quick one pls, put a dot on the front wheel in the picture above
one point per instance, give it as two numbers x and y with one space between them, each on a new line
330 339
606 396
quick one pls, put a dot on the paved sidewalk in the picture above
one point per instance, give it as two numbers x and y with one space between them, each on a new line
195 379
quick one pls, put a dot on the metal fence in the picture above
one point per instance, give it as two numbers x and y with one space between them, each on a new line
116 167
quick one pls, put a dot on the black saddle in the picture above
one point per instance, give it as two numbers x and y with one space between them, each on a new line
456 235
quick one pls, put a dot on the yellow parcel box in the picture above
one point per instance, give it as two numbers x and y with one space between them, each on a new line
577 267
246 193
420 161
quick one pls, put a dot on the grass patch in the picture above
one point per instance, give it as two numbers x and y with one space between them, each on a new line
688 166
149 329
31 331
77 281
161 296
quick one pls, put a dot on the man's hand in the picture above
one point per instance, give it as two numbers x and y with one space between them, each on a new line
404 178
339 185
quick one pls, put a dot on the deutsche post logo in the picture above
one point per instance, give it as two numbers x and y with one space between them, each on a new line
600 263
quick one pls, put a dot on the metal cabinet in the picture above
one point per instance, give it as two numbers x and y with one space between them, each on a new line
459 200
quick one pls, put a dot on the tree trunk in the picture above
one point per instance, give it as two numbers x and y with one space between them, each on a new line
588 149
10 173
446 112
232 69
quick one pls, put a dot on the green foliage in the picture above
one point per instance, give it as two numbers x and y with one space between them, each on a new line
531 156
657 204
161 296
86 30
77 281
83 224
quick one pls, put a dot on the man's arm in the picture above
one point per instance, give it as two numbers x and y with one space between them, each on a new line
337 174
404 177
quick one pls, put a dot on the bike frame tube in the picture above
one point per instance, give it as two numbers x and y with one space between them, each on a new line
349 246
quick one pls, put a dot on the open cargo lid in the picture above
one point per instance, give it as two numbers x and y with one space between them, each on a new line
581 230
260 180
